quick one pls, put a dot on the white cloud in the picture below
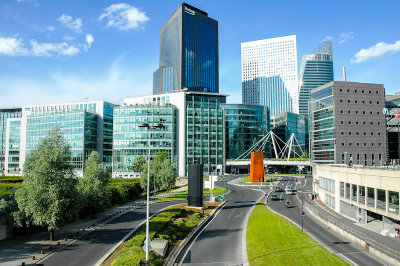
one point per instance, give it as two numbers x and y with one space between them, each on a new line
376 50
346 36
328 38
12 46
47 49
89 40
69 22
68 38
124 16
50 28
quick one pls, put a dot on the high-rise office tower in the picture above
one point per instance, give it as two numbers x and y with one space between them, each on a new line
316 69
269 74
188 53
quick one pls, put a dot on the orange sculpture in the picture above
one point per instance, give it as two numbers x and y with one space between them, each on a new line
257 167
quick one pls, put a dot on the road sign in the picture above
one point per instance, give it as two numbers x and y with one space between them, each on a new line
266 195
145 243
302 213
222 197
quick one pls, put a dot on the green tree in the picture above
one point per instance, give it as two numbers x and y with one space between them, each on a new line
162 173
93 186
48 196
139 164
304 155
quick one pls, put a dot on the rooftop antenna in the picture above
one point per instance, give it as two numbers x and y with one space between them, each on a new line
344 73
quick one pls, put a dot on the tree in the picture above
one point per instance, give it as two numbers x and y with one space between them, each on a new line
48 196
139 164
304 155
93 186
162 173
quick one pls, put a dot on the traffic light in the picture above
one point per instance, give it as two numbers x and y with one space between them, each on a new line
297 179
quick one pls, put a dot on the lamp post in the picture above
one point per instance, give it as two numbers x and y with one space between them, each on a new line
147 241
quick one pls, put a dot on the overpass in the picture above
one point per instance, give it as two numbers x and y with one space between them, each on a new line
270 162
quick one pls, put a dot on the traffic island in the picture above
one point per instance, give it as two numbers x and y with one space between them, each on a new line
273 240
172 225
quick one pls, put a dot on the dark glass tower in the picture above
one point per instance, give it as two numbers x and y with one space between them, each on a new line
316 69
188 53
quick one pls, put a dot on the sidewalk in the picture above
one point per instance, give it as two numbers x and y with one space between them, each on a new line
16 250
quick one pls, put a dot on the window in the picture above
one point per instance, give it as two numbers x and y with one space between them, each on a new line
362 92
356 112
341 111
377 92
358 144
348 90
370 113
357 133
340 90
370 102
343 145
356 122
348 101
356 100
341 100
341 122
372 123
364 123
349 112
349 133
363 112
349 122
370 92
377 102
342 133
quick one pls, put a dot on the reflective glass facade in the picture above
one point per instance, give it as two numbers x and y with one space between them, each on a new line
204 131
14 146
243 126
393 125
286 124
188 53
4 114
79 129
130 140
316 69
269 74
322 130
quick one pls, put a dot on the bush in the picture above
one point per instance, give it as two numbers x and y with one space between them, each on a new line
124 190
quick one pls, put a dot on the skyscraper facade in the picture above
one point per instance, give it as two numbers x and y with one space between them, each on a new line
269 74
316 69
6 114
188 53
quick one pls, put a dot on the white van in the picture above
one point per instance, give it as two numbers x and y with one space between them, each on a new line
288 190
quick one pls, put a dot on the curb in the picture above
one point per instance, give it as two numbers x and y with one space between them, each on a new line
108 254
177 250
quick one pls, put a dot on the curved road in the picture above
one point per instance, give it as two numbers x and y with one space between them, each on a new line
223 240
325 236
89 249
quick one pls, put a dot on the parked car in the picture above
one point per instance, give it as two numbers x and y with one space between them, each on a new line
274 197
278 189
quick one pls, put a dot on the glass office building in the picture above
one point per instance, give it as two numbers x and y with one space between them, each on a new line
204 131
245 125
316 69
269 74
4 115
322 130
393 126
188 53
286 124
131 141
13 145
347 123
79 129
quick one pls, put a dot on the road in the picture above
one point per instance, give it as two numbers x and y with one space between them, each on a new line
325 236
92 247
223 239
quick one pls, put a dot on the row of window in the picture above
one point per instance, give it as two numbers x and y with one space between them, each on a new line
357 133
362 91
357 122
358 144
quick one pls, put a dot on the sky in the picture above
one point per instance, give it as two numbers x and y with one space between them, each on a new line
54 51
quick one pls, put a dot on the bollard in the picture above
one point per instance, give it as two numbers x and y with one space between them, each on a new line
42 252
58 243
65 239
23 263
33 257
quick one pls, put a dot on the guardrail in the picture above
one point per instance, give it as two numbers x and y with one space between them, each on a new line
356 233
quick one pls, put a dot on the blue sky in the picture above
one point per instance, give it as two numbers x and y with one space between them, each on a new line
54 51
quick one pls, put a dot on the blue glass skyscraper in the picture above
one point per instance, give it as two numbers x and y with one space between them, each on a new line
188 53
316 69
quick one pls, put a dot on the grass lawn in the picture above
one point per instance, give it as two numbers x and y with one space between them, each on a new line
272 240
183 195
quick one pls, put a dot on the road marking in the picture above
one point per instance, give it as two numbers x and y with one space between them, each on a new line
194 240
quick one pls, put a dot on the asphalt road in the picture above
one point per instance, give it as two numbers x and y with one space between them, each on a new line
325 236
92 247
223 239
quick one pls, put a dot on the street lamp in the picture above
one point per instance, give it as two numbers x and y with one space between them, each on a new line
147 241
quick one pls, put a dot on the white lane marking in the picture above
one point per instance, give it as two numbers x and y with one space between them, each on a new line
194 240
